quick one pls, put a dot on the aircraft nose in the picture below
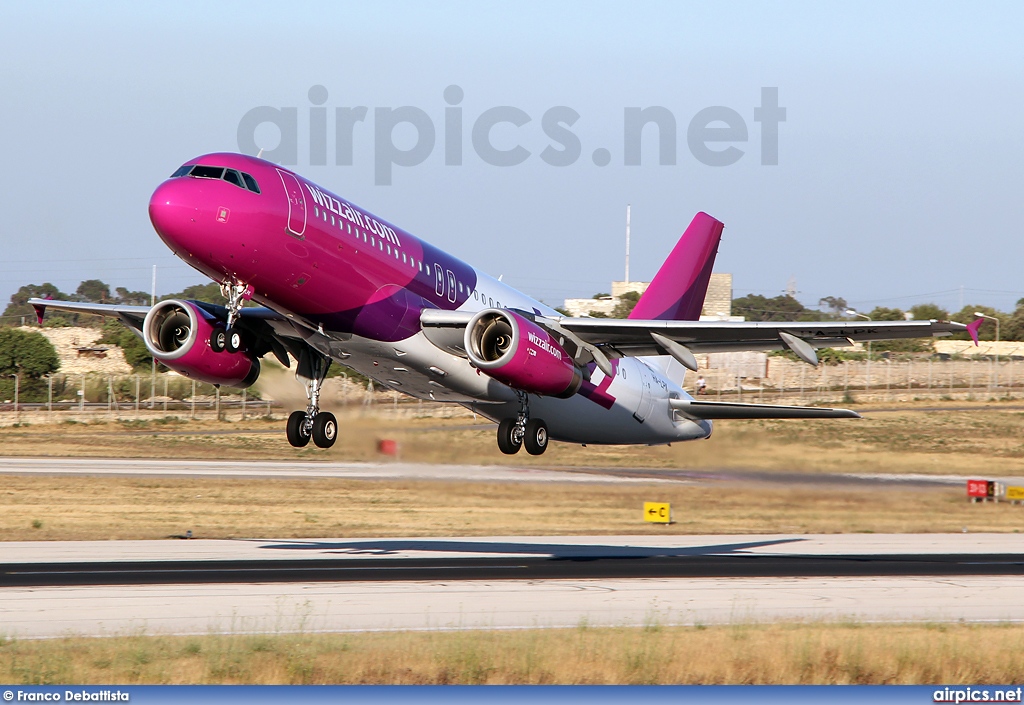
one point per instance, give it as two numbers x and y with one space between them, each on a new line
173 213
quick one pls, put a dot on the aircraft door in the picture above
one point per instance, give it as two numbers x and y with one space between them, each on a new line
646 404
296 203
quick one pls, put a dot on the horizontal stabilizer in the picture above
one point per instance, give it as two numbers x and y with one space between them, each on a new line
733 410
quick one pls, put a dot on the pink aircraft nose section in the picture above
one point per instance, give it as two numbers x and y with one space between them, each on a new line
174 214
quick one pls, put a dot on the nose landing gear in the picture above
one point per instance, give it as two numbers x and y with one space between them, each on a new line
232 338
521 431
321 426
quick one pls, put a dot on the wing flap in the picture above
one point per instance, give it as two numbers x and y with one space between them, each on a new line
735 410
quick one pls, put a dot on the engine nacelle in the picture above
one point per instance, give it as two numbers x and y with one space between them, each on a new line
177 333
516 351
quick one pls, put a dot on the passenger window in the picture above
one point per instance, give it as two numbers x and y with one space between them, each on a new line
491 304
475 297
250 183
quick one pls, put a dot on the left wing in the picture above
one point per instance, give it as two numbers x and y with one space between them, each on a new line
599 338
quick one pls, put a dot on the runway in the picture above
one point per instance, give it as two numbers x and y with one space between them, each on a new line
503 582
397 470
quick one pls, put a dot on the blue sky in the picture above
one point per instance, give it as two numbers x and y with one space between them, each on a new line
900 160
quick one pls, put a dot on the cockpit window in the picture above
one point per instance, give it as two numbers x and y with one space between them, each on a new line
250 183
207 172
201 171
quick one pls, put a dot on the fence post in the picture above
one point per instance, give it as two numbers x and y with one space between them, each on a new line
49 398
243 403
136 397
193 399
218 402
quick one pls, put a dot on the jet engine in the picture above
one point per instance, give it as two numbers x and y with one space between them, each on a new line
177 333
516 351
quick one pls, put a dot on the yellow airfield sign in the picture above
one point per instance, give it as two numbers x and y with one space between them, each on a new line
658 512
1015 493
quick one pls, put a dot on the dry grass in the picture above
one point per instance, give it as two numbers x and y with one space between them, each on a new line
985 440
744 654
100 508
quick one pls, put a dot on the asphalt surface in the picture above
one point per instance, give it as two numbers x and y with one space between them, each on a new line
513 568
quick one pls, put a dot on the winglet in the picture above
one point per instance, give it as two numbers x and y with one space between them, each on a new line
40 310
973 327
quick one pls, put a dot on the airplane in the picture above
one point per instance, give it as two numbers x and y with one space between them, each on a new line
335 283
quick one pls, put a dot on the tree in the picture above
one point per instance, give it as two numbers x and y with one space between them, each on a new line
135 352
28 355
93 291
755 307
626 304
132 298
836 305
928 312
1013 327
201 292
880 313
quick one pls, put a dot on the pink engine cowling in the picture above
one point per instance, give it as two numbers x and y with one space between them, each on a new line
177 333
516 351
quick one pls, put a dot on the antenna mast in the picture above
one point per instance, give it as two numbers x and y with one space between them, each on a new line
627 243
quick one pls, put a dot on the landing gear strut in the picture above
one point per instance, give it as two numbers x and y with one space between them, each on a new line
513 434
321 426
231 338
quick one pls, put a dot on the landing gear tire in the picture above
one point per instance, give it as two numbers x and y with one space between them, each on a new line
298 436
509 441
325 429
218 340
536 437
235 341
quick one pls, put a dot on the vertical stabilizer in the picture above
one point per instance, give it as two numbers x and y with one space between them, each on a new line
678 290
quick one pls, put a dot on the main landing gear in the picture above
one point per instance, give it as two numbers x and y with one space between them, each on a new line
521 431
321 426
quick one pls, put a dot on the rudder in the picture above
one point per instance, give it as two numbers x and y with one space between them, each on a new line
678 289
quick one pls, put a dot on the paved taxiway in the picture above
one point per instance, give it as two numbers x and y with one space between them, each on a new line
451 602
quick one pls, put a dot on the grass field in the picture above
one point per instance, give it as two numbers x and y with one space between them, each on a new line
986 439
738 654
101 508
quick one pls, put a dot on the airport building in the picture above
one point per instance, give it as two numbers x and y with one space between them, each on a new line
717 303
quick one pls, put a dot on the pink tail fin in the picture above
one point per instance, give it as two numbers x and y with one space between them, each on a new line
678 290
973 327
